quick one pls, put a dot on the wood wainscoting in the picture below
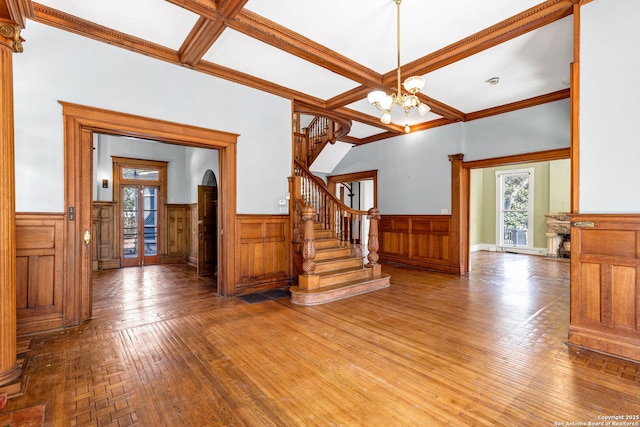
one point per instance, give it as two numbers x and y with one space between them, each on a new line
106 245
417 240
180 242
605 284
39 271
262 253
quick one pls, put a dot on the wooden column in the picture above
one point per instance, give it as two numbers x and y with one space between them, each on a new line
10 42
459 231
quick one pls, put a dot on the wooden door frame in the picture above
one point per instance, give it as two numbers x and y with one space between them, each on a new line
80 123
461 194
371 175
117 164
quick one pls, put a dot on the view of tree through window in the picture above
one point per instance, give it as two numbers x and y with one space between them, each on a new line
515 209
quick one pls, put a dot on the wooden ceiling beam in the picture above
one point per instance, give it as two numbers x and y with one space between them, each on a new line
519 105
202 36
531 19
64 21
209 27
266 31
55 18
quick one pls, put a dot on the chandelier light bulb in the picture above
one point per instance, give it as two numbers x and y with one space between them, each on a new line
376 97
386 118
386 103
407 129
423 108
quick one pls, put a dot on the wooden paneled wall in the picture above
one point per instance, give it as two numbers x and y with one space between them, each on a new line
605 284
262 252
192 236
177 239
417 240
39 271
106 245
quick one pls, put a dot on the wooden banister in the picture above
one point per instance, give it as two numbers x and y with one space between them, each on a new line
347 224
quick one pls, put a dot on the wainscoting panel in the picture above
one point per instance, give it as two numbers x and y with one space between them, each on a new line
262 252
605 284
175 244
39 271
106 245
417 240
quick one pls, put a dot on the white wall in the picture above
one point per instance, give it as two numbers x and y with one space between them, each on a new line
413 170
540 128
107 146
197 161
609 107
57 65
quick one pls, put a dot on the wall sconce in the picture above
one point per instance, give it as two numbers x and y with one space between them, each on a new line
105 182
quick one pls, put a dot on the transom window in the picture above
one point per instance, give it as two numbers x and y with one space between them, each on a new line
140 174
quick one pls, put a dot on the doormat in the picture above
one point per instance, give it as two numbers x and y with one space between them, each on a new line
270 295
28 417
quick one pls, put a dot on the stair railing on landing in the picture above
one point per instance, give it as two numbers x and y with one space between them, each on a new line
350 226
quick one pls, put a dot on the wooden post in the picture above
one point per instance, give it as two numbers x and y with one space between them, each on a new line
308 280
374 244
10 42
459 231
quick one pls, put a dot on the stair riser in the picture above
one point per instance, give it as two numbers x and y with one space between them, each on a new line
334 253
338 265
328 243
324 234
364 274
323 297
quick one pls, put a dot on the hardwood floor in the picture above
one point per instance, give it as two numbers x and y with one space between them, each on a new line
484 349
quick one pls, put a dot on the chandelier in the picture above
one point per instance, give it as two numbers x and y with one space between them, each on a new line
407 101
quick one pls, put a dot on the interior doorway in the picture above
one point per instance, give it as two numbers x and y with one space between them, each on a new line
81 122
207 229
552 192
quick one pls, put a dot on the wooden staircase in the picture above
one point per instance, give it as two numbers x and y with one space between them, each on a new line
339 273
328 246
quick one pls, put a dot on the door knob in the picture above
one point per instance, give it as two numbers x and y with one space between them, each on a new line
86 236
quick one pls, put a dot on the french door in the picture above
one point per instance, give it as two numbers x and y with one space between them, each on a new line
140 221
514 190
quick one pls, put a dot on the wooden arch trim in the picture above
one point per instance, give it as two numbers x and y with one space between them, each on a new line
80 123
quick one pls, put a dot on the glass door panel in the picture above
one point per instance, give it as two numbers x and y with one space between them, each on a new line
140 225
130 221
150 213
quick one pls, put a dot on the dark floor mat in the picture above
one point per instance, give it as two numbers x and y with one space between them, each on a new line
269 295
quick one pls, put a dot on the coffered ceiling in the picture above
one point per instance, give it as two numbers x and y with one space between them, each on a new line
327 55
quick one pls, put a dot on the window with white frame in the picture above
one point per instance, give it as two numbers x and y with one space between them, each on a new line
514 194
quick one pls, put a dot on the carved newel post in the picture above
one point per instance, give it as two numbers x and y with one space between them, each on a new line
308 280
10 42
373 215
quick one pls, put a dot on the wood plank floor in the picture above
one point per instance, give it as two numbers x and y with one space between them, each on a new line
484 349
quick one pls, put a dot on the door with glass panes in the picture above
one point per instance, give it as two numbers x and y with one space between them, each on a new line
139 189
140 224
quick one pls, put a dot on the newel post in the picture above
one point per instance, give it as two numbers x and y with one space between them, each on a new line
373 215
308 280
